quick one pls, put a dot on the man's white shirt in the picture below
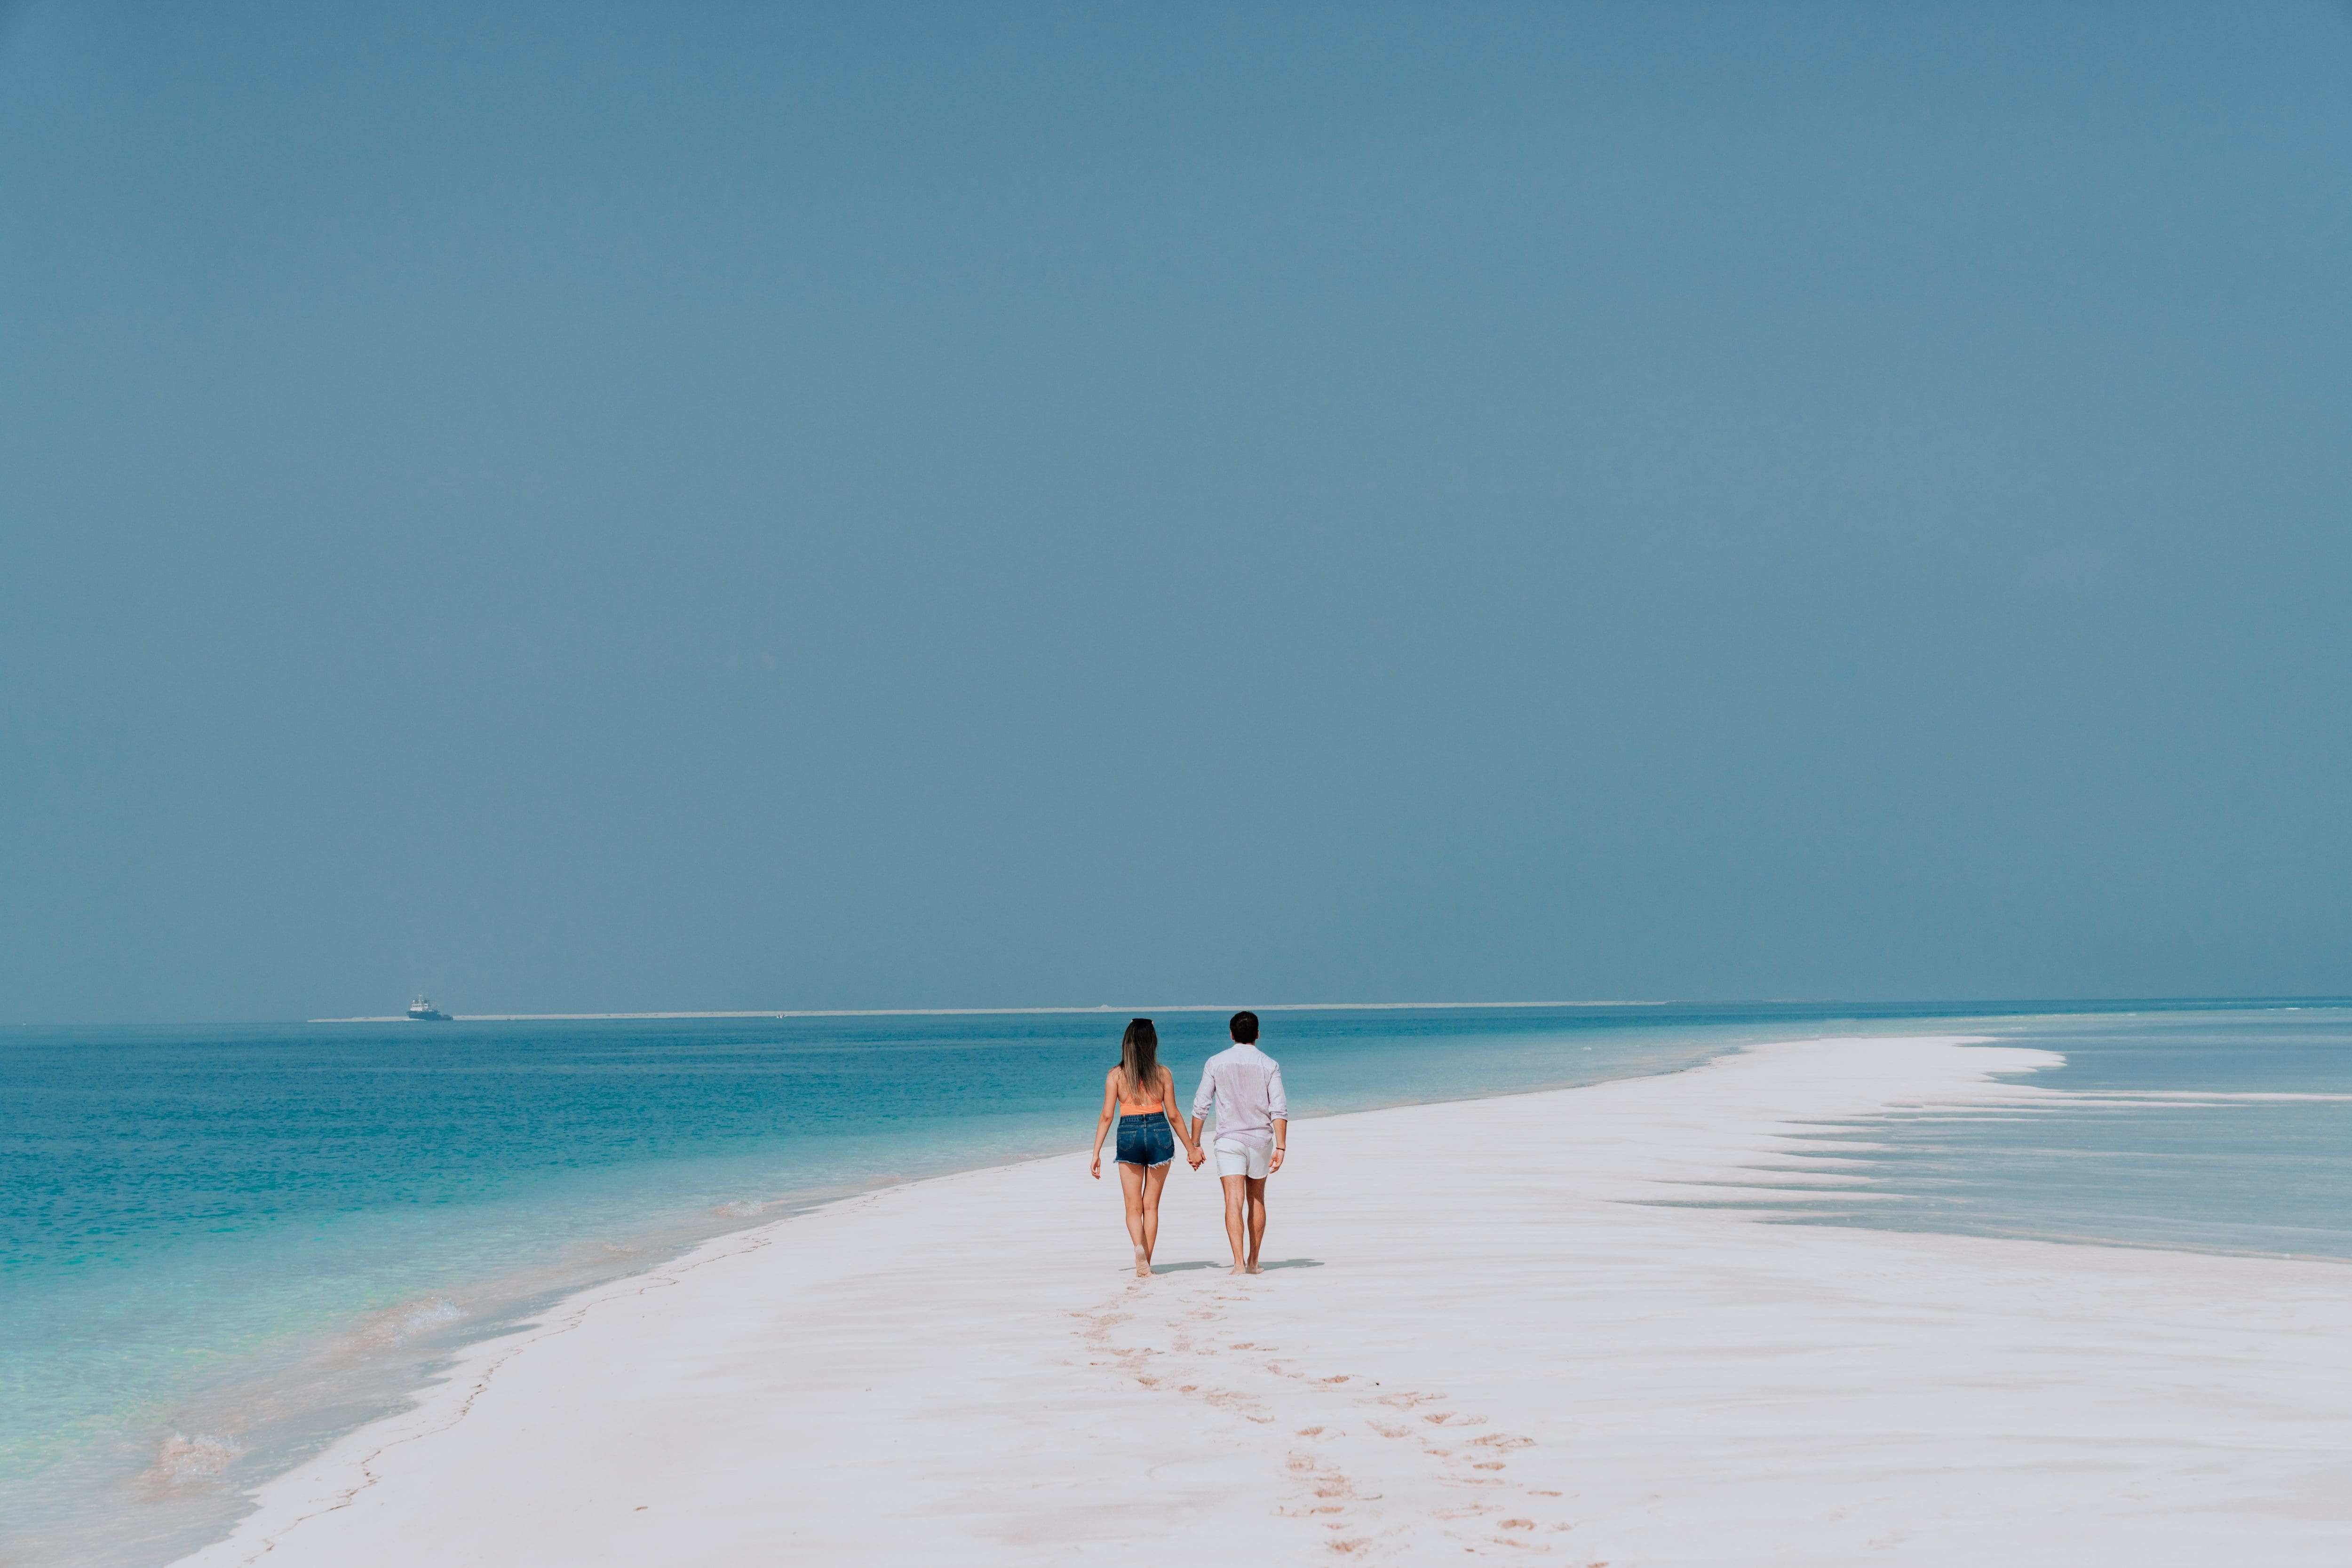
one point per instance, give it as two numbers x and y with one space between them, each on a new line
1245 1085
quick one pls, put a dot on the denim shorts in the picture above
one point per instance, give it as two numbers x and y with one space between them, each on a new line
1146 1140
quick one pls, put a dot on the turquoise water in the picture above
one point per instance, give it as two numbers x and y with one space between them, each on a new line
220 1247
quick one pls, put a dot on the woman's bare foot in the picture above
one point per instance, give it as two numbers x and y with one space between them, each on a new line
1237 1271
1142 1263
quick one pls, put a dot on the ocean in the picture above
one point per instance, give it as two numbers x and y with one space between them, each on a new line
222 1247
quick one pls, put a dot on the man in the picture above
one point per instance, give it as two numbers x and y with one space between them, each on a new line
1253 1124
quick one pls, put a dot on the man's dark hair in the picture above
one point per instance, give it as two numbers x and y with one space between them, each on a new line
1244 1028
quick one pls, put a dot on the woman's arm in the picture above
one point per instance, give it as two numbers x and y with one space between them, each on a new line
1192 1155
1102 1124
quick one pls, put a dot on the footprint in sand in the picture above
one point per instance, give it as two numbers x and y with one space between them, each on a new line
1328 1479
1406 1401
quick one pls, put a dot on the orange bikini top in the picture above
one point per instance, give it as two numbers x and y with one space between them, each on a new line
1133 1108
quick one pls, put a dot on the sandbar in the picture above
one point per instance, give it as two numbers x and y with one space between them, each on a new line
1508 1327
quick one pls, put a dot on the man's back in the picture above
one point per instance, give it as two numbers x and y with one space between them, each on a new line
1245 1086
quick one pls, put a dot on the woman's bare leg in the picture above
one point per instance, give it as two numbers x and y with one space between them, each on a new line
1153 1180
1130 1183
1234 1233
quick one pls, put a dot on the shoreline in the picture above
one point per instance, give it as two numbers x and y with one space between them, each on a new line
968 1345
176 1476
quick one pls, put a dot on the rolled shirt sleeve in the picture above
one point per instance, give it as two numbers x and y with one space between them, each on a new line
1277 1104
1207 1095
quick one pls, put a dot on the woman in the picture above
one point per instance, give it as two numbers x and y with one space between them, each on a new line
1144 1094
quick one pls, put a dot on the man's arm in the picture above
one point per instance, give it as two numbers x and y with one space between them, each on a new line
1277 1110
1203 1098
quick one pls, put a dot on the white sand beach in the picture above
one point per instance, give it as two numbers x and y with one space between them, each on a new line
1481 1334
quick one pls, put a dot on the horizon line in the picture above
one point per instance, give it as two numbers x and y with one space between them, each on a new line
2289 1000
983 1012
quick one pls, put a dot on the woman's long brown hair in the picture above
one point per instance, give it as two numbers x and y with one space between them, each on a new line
1139 1061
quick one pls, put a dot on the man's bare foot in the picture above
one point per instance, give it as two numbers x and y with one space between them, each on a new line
1253 1267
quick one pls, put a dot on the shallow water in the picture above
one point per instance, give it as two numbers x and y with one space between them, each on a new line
2225 1130
221 1247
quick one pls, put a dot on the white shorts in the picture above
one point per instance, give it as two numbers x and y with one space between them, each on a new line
1237 1158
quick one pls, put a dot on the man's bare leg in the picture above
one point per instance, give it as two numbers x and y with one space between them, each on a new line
1234 1204
1255 1188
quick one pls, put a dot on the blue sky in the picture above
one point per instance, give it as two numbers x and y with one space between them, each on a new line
575 507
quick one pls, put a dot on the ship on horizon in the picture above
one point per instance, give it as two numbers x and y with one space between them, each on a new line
422 1011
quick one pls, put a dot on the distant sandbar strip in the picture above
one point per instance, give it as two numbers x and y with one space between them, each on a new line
993 1012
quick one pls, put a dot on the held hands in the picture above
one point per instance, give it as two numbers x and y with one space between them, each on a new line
1196 1155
